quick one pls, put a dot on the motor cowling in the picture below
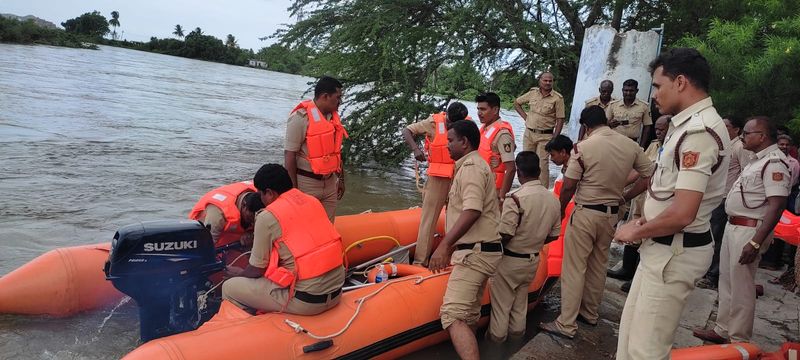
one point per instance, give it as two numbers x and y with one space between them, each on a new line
164 266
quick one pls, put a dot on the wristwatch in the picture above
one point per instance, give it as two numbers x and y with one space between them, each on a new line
755 245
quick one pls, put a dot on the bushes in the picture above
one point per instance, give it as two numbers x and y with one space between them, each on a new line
27 32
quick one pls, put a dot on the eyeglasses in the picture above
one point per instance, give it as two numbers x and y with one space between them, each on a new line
745 133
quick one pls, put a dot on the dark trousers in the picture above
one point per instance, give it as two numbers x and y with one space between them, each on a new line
718 220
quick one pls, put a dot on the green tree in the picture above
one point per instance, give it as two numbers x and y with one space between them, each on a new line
178 31
114 22
230 42
90 24
284 59
196 31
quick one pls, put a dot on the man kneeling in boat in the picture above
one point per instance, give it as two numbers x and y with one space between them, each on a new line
471 242
229 213
296 263
528 222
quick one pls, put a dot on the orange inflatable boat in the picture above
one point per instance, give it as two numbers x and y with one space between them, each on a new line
736 351
384 320
69 280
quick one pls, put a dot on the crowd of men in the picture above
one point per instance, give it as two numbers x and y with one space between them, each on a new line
704 188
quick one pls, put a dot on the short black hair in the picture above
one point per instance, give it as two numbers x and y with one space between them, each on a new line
528 164
273 177
457 111
593 116
768 125
631 82
490 98
558 143
687 62
468 129
252 201
787 137
735 121
326 85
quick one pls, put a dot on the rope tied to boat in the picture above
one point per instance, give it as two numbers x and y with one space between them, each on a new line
202 299
360 301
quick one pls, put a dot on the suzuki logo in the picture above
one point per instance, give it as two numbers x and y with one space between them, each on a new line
174 245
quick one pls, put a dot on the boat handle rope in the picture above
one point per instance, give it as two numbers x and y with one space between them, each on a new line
419 279
359 242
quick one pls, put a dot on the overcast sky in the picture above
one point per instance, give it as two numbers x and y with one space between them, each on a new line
247 20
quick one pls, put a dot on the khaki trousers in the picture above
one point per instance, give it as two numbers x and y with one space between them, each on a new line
262 294
737 289
325 191
509 294
583 275
536 142
664 278
462 299
433 200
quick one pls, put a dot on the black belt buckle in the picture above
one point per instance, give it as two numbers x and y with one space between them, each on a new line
485 247
312 175
689 239
542 131
603 208
519 255
315 299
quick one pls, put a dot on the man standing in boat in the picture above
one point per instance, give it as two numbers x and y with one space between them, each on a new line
497 142
472 242
543 121
597 173
313 145
530 219
674 233
296 262
754 206
440 171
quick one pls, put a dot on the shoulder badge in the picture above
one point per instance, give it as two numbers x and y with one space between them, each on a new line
777 176
507 147
689 159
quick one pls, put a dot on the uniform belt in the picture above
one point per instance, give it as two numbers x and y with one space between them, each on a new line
485 247
519 255
603 208
743 221
312 175
542 131
689 239
315 299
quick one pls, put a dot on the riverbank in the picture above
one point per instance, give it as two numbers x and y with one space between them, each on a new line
28 32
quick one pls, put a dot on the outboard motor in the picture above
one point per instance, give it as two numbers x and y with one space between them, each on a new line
164 266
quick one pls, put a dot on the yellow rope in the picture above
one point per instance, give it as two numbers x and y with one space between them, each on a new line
359 242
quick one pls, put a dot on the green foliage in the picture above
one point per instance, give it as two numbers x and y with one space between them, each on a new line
89 24
27 32
178 31
195 46
284 59
754 61
114 22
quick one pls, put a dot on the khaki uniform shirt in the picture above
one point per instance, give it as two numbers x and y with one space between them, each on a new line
757 189
473 189
739 159
296 137
543 110
608 158
596 101
267 230
652 154
541 218
425 127
637 114
698 154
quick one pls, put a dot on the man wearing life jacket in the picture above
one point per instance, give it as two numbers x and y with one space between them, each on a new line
229 212
497 143
440 171
296 262
313 145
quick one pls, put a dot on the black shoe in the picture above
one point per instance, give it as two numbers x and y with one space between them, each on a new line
620 274
625 287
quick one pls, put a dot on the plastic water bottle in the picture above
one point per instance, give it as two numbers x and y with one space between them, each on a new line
381 276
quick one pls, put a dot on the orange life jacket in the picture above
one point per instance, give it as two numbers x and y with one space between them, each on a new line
439 162
224 197
488 134
308 234
323 139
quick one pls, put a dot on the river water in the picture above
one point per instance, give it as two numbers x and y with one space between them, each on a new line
94 140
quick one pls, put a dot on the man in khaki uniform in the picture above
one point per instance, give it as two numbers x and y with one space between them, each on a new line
754 206
530 219
497 134
630 116
434 195
471 243
543 120
329 188
688 184
719 218
602 100
249 288
598 170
